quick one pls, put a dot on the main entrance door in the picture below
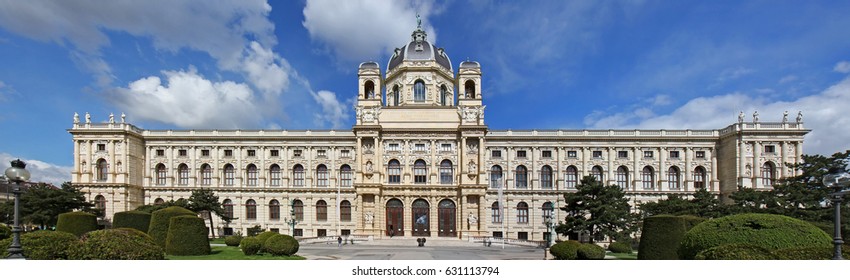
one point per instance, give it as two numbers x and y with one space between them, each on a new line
395 218
421 218
447 218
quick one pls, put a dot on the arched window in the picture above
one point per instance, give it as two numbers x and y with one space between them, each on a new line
419 91
496 213
768 171
446 172
251 172
182 174
522 213
160 174
251 209
369 90
648 178
699 177
546 177
395 96
228 208
673 178
298 175
521 177
274 175
322 175
345 211
571 177
158 201
596 172
420 172
101 170
100 204
496 177
274 210
298 206
321 211
206 174
345 176
469 87
623 177
394 172
229 173
548 210
444 95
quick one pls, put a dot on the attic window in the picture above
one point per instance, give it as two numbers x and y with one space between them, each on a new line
419 47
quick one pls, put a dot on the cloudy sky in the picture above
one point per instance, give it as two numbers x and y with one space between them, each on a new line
291 64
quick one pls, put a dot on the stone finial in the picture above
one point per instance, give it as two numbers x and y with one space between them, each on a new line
799 116
785 117
123 117
76 118
756 117
88 117
111 118
741 117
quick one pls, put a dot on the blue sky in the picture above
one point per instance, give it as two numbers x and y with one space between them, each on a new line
292 64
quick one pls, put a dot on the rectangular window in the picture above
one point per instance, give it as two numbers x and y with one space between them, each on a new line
228 153
572 154
345 153
275 153
182 153
522 235
647 154
674 154
101 147
322 153
497 234
160 153
547 154
296 153
274 173
321 232
345 178
700 154
419 147
393 147
769 149
622 154
274 230
298 232
597 154
520 154
205 153
345 232
252 153
446 147
496 154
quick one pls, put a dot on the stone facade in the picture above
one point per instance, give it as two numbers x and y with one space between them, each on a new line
420 161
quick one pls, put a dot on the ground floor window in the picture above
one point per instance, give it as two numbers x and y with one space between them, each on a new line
275 230
298 232
497 234
346 232
228 231
522 235
321 232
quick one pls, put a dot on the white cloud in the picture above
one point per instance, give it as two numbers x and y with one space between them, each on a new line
824 113
40 171
333 111
358 30
734 73
842 67
187 99
789 78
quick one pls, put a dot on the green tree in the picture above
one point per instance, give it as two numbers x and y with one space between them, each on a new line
597 209
703 204
205 200
149 208
41 203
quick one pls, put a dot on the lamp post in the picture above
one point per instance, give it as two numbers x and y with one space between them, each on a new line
292 221
547 220
18 174
838 182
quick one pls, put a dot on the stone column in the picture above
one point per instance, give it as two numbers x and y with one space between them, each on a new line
662 170
636 154
612 155
687 170
756 166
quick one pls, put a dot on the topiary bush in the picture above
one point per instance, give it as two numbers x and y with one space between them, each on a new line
132 219
661 234
735 252
161 219
118 244
45 245
566 250
620 247
5 231
187 236
77 223
589 251
281 245
233 240
768 231
265 236
810 253
250 245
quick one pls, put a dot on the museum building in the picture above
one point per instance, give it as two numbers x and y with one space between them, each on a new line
419 161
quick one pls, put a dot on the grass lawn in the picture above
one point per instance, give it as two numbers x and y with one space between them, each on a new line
623 256
217 241
231 253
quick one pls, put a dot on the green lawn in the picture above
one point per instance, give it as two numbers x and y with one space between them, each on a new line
217 241
623 256
231 253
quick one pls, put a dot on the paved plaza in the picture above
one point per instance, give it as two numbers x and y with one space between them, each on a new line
407 249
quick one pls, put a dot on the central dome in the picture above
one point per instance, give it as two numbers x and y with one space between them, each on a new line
419 49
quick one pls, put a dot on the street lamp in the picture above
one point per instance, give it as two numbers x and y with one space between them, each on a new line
838 182
547 220
292 221
17 173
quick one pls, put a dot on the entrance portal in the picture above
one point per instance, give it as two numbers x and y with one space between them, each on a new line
447 218
421 218
395 218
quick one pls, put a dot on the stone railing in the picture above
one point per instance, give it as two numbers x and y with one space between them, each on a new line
604 133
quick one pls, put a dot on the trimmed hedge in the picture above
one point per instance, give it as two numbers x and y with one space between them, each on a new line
266 235
566 250
77 223
187 236
132 219
281 245
5 231
735 252
250 245
118 244
161 219
811 253
589 251
661 234
233 240
768 231
45 245
620 247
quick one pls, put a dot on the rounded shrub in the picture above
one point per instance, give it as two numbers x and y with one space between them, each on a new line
187 236
735 252
768 231
161 219
5 231
265 236
118 244
661 234
77 223
46 245
620 247
233 240
589 251
132 219
810 253
566 250
250 245
281 245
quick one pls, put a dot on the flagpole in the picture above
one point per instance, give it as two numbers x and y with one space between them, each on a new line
504 220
